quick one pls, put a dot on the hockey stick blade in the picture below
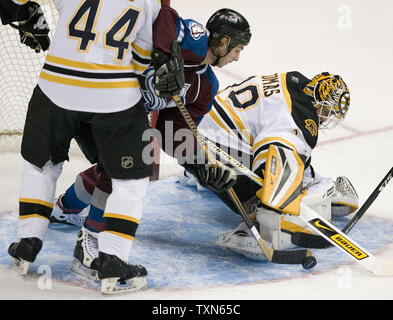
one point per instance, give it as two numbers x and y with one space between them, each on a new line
308 240
317 242
341 241
383 268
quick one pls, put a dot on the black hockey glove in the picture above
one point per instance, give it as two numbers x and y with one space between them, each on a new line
34 31
169 71
218 177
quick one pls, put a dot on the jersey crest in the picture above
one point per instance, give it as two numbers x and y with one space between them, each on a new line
196 30
311 126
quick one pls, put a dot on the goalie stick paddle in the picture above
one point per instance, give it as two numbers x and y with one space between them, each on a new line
321 226
315 241
275 256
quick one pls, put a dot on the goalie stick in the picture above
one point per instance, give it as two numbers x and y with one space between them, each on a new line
315 241
323 227
275 256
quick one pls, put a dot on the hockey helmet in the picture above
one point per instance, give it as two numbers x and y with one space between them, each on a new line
330 95
231 24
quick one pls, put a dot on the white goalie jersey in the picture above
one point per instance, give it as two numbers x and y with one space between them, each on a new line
260 111
251 116
97 50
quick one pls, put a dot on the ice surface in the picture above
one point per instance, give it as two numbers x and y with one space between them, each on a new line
352 39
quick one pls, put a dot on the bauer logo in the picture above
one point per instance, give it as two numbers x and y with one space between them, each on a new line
349 247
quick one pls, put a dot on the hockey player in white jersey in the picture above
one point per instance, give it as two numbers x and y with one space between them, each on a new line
87 89
254 121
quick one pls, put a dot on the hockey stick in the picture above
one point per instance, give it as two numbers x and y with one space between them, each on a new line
322 226
276 256
315 241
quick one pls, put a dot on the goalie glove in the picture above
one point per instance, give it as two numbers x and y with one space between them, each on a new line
216 177
169 71
34 31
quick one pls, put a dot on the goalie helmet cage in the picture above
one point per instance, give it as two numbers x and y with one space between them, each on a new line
20 67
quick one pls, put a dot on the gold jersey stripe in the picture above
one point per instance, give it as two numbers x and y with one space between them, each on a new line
33 215
90 84
217 120
243 131
259 157
143 52
126 236
287 96
138 67
85 65
120 216
37 201
271 140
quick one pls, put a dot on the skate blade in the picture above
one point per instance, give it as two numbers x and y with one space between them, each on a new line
20 266
114 286
83 271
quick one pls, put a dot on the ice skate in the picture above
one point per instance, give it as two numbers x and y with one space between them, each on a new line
241 241
118 276
61 214
23 253
345 200
86 255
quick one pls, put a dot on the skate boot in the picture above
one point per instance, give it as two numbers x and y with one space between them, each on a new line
23 253
118 276
345 200
61 214
86 254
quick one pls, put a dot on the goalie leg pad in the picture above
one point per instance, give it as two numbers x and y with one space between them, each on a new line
242 242
282 189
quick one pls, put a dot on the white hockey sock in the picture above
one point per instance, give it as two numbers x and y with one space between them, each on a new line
123 212
37 186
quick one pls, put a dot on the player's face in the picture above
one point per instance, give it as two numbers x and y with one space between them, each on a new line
323 114
233 55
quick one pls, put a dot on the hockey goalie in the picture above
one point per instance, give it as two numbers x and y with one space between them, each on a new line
271 124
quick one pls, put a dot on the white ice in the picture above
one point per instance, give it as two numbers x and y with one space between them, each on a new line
350 38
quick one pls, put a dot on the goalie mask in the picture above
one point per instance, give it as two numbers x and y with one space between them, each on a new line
330 96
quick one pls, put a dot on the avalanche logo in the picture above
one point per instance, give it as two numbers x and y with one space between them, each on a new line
196 30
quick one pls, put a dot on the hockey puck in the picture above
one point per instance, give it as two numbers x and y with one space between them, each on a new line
309 262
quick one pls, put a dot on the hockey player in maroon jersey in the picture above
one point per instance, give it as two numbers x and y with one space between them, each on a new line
220 43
